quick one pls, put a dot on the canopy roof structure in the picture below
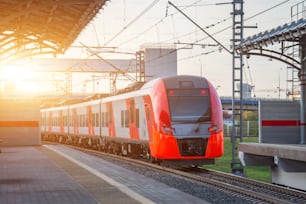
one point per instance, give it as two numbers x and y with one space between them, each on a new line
33 27
293 32
287 32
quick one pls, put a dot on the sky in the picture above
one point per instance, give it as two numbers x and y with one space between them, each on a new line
126 25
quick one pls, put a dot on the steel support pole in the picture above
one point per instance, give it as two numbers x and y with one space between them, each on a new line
302 77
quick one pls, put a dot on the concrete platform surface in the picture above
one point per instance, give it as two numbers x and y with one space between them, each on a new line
57 174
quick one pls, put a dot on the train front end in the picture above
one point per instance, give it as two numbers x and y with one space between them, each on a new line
190 123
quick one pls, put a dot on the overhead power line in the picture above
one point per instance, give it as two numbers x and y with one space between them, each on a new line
214 39
133 21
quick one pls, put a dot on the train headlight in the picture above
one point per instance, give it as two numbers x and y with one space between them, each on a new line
166 130
213 129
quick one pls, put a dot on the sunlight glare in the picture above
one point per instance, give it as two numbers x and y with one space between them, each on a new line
19 79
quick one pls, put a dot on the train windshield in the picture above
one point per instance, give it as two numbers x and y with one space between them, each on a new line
189 105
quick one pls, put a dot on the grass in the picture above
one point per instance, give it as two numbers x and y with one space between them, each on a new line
224 163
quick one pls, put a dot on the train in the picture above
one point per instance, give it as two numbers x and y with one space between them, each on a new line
175 121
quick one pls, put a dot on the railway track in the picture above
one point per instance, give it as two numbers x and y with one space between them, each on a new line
247 189
271 193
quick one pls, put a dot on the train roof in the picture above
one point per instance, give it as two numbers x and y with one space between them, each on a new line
141 89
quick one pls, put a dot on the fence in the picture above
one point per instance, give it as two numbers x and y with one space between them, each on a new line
249 129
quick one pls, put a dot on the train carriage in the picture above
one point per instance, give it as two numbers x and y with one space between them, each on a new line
53 123
175 120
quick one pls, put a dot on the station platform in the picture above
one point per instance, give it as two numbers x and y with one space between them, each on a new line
57 174
287 161
287 151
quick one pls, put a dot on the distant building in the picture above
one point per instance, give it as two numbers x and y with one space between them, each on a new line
246 90
160 60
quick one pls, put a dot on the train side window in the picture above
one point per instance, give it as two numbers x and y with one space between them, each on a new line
81 120
132 110
102 119
126 121
93 119
137 117
84 120
110 113
122 118
106 119
96 120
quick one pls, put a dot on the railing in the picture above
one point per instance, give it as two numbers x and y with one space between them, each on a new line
249 129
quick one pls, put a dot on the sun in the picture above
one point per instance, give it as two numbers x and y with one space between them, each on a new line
17 79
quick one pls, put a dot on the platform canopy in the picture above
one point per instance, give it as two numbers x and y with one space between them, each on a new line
33 27
257 44
287 32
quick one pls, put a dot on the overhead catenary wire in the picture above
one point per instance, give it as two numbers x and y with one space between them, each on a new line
133 21
246 19
210 36
176 36
157 23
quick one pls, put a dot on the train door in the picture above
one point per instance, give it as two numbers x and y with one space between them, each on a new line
75 121
148 118
133 118
110 119
89 120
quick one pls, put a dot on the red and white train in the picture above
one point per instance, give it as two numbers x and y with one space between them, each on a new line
174 120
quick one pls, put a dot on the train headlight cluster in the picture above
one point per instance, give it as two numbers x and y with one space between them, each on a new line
213 129
166 130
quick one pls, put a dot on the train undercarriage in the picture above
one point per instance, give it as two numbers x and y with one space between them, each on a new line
105 144
122 147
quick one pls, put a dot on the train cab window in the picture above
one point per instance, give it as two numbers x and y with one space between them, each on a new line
189 105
